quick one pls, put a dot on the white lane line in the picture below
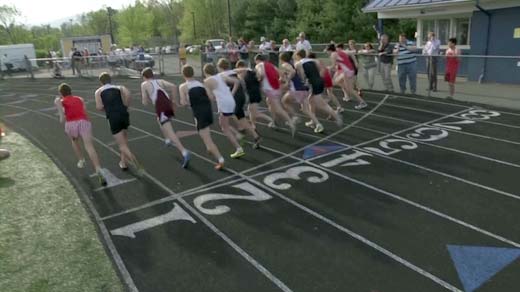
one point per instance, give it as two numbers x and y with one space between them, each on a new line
113 143
439 281
116 257
439 113
504 193
363 240
437 102
206 222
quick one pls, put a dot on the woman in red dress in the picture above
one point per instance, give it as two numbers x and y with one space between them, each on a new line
452 64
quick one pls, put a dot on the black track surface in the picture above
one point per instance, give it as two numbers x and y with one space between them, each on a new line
380 221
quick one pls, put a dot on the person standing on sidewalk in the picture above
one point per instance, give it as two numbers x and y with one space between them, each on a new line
386 61
432 50
367 60
406 64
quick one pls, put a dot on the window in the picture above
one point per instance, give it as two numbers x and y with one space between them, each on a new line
427 26
462 31
445 29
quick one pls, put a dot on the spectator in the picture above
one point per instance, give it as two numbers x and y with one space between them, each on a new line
264 45
452 65
406 64
77 57
285 47
367 60
232 50
385 61
303 44
243 49
86 55
5 65
28 66
432 49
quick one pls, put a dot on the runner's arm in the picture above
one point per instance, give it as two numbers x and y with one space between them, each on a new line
127 98
259 72
232 81
183 95
209 85
99 103
145 99
172 88
59 107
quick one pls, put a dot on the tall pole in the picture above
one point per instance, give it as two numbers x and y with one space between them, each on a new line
194 31
229 16
110 11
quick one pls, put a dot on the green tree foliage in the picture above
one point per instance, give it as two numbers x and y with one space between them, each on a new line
166 22
134 24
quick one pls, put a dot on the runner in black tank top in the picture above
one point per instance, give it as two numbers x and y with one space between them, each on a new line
240 101
309 69
253 89
114 100
115 110
193 93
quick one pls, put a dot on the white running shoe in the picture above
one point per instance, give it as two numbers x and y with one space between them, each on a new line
361 106
271 125
81 163
319 128
310 124
346 98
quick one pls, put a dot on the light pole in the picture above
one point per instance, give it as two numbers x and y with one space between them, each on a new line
194 31
110 13
229 16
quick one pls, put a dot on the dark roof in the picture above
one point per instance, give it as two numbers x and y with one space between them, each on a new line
381 5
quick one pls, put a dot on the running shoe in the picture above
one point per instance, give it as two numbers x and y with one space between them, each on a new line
310 124
340 109
271 125
339 121
186 159
295 120
239 153
256 144
138 168
219 166
101 178
346 98
361 106
81 163
123 166
319 128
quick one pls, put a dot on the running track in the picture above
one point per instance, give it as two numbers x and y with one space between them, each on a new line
411 195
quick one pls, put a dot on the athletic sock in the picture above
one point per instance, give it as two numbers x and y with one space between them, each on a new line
221 159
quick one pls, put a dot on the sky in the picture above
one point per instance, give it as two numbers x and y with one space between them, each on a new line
37 12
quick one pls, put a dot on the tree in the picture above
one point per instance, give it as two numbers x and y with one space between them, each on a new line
134 25
8 16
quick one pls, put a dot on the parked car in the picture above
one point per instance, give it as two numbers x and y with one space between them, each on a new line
218 44
193 49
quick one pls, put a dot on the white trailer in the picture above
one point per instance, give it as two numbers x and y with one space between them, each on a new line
16 53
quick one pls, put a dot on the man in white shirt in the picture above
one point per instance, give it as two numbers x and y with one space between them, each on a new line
286 46
264 45
303 44
432 49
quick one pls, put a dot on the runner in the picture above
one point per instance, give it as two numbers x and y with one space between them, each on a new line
268 74
329 85
114 101
154 90
309 69
219 91
244 126
193 93
297 91
345 76
72 111
254 93
452 65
